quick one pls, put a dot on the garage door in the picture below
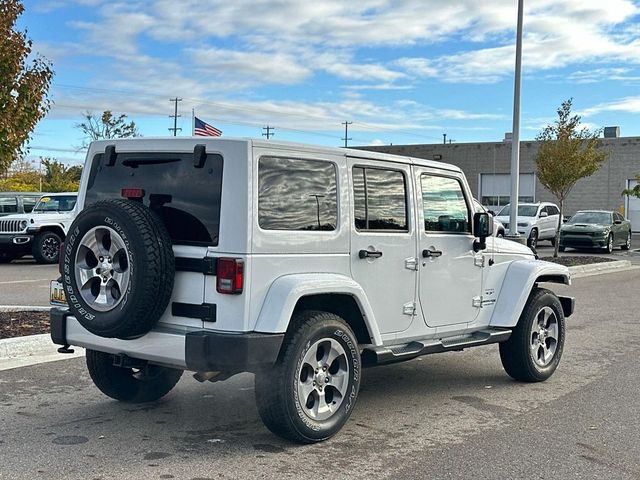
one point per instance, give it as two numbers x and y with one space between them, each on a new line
495 189
633 208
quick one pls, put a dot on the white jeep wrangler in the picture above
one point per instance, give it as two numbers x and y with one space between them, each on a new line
300 264
39 232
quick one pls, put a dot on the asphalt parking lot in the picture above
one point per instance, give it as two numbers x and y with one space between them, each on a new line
23 282
454 415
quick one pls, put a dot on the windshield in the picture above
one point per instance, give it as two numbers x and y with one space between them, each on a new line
523 211
59 203
591 217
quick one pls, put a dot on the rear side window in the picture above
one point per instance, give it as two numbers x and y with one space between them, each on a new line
445 208
185 197
28 203
8 205
380 199
297 194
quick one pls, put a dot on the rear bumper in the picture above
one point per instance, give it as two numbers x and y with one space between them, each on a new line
179 347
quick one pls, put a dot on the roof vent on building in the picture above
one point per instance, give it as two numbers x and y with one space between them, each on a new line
611 132
508 136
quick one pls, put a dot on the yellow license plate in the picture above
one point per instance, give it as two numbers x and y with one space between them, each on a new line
56 294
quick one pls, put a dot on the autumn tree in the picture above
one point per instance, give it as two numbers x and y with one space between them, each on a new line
567 153
105 126
21 177
24 83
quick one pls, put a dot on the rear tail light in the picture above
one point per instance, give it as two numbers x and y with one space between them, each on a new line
230 276
132 193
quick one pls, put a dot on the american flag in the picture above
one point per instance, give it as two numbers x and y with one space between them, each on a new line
203 129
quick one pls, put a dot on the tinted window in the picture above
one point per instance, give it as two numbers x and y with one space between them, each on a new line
8 205
28 203
551 210
445 209
186 198
380 199
296 194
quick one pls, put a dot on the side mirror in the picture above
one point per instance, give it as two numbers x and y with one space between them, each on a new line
543 214
492 212
482 228
617 222
565 218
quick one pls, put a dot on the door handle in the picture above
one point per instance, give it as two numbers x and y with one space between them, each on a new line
431 253
369 254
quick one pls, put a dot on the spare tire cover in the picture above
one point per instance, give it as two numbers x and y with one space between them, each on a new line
118 268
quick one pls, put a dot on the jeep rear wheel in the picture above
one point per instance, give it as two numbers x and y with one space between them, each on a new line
46 247
533 351
118 269
136 385
309 394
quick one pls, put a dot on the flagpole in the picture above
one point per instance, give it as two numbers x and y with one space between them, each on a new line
193 122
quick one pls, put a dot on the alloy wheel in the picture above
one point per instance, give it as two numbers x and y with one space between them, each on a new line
544 337
102 268
322 379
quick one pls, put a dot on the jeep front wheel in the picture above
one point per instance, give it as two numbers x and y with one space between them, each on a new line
136 385
46 247
533 351
309 394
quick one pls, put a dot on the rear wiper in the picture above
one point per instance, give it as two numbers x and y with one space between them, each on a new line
135 162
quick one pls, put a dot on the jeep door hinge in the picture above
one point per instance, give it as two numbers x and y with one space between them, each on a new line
477 302
478 261
411 263
409 308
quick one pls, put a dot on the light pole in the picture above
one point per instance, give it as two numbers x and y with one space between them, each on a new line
515 141
318 197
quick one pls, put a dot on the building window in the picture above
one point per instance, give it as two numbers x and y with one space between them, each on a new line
297 194
380 199
445 208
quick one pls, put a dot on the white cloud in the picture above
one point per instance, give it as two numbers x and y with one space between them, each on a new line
625 105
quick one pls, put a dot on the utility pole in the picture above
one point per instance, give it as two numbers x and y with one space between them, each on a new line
444 138
268 133
175 116
515 141
346 132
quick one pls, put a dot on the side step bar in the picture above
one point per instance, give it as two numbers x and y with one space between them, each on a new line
397 353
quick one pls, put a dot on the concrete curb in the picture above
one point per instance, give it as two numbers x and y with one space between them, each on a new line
601 268
30 350
22 308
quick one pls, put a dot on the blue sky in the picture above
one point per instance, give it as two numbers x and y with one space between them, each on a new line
403 71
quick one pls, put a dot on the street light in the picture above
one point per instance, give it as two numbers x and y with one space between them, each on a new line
515 140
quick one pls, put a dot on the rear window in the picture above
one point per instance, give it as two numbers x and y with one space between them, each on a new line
185 197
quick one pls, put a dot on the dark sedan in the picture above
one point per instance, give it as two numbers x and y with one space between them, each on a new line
596 229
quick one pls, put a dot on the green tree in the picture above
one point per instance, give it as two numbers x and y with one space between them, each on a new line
635 191
24 83
107 125
57 177
567 154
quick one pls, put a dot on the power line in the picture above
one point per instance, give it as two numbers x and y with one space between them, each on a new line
346 132
244 108
268 133
175 116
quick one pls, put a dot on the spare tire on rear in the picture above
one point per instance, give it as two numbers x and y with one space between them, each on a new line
118 269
